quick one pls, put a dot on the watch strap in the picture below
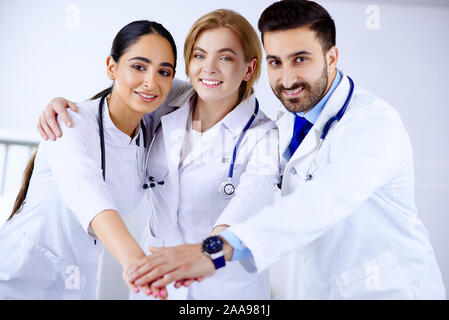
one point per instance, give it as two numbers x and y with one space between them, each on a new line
218 259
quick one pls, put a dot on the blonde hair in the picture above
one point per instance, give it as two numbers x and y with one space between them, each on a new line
237 23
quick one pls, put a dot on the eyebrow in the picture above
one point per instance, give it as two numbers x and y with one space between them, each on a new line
163 64
219 51
299 53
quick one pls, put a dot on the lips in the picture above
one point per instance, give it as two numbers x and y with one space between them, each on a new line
146 97
211 83
293 93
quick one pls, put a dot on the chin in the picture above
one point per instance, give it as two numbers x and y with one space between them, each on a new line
209 96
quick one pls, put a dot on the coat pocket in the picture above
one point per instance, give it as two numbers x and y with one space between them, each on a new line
32 267
382 277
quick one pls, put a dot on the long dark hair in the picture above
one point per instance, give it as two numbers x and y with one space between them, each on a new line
125 38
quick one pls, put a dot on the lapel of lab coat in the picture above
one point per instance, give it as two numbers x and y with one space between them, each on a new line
333 105
235 121
174 129
285 122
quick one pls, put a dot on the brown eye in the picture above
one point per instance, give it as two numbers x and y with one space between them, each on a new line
165 73
138 67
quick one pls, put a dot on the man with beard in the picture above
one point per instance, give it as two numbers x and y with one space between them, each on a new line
347 211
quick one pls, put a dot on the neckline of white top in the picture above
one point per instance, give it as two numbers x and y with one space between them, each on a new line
111 131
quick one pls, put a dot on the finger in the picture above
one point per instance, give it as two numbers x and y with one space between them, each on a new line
143 269
50 119
47 130
72 106
42 132
155 292
163 293
66 118
168 278
146 289
156 249
188 283
133 288
156 273
178 284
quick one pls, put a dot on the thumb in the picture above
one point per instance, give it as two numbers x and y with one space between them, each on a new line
154 249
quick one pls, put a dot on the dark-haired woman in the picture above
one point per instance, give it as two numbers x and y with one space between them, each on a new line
71 206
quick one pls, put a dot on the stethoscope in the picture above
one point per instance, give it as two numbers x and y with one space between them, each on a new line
150 181
327 126
227 188
102 147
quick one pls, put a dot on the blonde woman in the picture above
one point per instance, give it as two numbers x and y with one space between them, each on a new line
214 160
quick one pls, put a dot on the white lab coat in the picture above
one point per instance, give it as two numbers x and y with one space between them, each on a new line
46 251
353 229
188 206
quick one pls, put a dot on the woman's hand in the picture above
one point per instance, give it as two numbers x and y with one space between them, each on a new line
47 125
160 293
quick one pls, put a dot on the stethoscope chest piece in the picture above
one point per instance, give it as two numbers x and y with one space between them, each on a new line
227 189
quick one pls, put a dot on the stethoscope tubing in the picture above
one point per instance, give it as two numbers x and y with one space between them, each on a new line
327 127
237 145
101 129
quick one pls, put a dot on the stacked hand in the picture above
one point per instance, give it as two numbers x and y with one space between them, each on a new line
182 264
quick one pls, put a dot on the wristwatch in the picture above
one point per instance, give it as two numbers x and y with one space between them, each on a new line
213 248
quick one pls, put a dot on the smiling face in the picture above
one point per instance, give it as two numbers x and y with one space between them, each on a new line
300 74
143 76
217 66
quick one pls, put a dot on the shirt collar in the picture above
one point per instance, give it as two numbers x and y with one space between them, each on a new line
313 114
234 120
237 119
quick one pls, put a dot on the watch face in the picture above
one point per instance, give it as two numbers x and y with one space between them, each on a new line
212 245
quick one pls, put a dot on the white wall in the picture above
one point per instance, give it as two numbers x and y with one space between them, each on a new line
396 49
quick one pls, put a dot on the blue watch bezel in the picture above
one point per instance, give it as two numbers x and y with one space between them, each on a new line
212 244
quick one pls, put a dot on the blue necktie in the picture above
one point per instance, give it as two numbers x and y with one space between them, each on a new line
300 130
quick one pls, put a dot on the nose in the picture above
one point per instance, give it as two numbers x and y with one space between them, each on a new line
150 80
288 77
210 65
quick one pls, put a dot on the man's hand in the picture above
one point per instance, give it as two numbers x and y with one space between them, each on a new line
166 265
215 231
47 125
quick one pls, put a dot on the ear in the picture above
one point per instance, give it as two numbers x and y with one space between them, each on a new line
250 70
111 67
332 58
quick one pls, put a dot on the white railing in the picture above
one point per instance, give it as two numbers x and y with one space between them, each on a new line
8 139
15 150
